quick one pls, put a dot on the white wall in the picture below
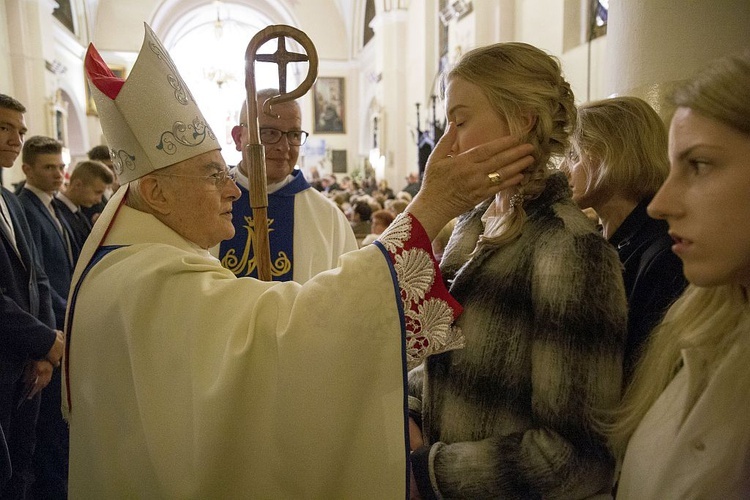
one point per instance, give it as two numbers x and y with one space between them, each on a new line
6 83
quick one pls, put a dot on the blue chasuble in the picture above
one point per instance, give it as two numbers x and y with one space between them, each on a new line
237 254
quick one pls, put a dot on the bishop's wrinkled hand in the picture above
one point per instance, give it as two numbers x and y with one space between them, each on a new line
454 184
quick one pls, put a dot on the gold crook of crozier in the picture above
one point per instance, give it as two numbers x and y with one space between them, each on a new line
253 155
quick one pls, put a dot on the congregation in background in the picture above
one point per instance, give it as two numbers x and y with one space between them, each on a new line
555 306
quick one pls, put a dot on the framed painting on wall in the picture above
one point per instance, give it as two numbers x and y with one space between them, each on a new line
58 116
64 13
329 105
119 72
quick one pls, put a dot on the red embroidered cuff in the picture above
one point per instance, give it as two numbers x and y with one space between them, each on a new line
429 310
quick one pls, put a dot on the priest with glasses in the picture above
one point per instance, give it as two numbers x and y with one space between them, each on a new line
307 231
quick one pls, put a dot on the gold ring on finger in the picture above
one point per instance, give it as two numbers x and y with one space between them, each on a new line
495 177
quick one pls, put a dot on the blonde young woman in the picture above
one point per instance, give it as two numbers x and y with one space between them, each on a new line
684 428
509 416
617 163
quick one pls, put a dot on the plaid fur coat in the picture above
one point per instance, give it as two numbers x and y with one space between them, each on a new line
509 416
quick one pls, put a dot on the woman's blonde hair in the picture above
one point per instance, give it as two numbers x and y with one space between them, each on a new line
623 146
712 317
721 92
520 80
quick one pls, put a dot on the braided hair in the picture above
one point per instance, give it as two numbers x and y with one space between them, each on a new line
519 81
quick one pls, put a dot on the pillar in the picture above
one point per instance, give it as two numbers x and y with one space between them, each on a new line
652 45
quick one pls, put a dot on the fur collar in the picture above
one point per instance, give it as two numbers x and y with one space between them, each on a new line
469 225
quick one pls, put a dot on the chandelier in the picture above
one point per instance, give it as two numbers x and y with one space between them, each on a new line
219 73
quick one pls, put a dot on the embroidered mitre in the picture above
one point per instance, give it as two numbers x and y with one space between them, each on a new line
150 120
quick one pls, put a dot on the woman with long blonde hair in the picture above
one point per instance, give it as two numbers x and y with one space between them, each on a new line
684 427
510 415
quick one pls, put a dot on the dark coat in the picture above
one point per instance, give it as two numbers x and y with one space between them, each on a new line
79 224
26 332
50 242
51 453
5 466
26 318
93 210
652 274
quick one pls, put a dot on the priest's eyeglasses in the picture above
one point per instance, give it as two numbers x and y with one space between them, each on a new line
273 135
219 178
270 135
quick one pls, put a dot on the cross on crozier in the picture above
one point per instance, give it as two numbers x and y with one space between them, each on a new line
282 57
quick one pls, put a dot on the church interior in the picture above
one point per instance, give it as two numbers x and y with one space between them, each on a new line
479 338
376 100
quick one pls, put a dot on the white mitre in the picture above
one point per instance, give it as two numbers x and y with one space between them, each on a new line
150 120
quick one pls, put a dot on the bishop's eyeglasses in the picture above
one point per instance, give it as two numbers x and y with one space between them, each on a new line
219 178
269 135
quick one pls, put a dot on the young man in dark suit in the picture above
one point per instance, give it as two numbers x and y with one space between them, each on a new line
86 185
101 153
44 168
29 343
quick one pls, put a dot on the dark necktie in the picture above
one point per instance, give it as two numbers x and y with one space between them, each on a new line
65 235
84 221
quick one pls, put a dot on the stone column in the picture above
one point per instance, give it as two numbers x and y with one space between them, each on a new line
391 38
653 45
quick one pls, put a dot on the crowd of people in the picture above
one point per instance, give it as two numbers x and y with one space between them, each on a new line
360 201
482 337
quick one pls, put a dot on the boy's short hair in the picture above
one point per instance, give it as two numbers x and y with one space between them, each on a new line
89 170
39 145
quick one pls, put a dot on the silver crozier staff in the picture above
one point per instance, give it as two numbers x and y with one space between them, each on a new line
253 155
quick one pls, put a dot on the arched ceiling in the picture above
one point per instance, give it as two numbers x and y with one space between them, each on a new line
118 25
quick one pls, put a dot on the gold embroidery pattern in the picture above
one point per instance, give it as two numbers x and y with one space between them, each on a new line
244 264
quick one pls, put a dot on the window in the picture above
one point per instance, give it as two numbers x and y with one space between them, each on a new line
598 18
368 32
208 47
64 13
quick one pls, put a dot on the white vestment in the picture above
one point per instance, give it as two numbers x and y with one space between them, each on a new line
186 382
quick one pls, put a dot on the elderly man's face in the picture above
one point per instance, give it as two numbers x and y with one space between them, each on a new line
200 197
